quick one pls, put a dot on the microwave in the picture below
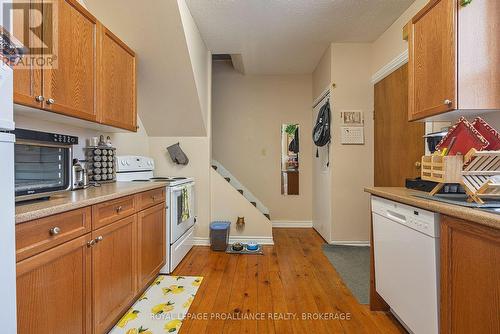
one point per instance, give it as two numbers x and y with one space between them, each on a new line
42 163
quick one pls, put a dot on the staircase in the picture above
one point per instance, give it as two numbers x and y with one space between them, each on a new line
233 181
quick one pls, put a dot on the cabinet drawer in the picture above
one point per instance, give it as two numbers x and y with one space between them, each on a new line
39 235
108 212
151 198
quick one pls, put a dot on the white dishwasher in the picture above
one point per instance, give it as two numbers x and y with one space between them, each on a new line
406 249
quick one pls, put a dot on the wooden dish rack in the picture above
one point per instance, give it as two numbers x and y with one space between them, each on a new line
477 175
442 169
473 172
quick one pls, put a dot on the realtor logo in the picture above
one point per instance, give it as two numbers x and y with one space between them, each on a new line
34 33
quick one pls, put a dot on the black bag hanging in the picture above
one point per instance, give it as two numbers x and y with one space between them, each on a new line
321 131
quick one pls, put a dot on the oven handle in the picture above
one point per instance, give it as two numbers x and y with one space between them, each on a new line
180 187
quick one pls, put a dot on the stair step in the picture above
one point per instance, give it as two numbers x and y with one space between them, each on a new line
267 215
227 179
240 191
254 204
214 167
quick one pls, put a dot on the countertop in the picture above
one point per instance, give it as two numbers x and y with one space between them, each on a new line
404 195
80 198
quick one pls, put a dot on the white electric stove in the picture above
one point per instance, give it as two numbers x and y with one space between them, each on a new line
180 232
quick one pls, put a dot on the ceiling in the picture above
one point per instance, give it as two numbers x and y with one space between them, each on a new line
289 36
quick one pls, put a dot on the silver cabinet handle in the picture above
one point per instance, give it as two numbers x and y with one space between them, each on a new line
39 98
448 102
51 101
55 230
119 209
91 243
99 238
153 198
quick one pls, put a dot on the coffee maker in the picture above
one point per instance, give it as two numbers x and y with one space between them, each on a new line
79 176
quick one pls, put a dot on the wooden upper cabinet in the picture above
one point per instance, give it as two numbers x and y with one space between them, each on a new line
69 86
117 82
27 77
432 69
93 76
114 271
54 290
479 55
454 63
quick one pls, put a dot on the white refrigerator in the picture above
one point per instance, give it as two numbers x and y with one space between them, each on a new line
7 199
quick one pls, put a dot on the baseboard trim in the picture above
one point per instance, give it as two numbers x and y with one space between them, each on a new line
292 224
198 241
390 67
350 243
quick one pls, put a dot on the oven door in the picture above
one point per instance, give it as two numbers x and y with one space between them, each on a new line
41 169
182 210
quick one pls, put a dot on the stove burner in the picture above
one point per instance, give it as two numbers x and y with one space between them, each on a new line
168 178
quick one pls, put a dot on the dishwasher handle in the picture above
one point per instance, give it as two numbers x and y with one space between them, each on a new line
396 216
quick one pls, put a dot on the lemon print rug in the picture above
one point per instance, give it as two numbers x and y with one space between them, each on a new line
161 308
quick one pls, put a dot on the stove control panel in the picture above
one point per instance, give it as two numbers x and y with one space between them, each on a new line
133 163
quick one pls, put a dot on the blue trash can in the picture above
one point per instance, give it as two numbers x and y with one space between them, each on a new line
219 235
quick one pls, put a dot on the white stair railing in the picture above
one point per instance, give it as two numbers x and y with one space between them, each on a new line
238 186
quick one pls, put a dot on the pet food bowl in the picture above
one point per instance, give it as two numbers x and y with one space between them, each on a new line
252 246
237 247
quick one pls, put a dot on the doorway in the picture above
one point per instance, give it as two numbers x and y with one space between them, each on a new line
399 144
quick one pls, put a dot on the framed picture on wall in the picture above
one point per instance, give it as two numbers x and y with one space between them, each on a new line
352 117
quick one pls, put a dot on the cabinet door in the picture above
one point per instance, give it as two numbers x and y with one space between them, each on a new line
69 85
117 82
152 242
28 76
479 55
54 290
470 276
114 271
432 60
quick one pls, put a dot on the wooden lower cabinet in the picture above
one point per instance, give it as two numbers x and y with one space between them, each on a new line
54 290
82 283
114 271
151 237
470 278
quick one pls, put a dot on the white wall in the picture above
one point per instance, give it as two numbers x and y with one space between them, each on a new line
125 143
321 173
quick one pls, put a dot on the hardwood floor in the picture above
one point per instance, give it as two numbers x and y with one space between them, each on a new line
291 281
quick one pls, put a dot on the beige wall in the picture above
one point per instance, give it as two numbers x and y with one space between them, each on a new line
197 149
198 53
228 204
321 76
248 111
391 44
352 165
